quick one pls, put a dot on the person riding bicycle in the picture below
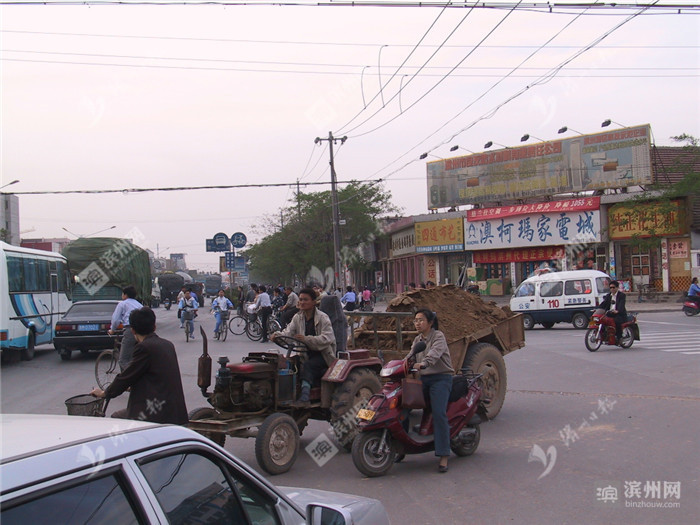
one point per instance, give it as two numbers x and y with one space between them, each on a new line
220 306
189 304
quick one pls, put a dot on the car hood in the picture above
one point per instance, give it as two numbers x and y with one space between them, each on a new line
364 510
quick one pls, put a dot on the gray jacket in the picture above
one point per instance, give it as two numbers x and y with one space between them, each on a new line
323 341
436 356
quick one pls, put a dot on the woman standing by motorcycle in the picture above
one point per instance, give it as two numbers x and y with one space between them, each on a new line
433 361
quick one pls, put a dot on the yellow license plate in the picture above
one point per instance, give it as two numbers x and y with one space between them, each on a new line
365 414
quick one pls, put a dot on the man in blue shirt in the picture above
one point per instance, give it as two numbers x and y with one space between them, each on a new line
120 317
694 291
189 304
219 306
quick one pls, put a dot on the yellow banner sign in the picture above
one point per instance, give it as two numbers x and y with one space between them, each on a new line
646 220
446 235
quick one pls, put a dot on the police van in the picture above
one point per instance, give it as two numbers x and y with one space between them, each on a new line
560 297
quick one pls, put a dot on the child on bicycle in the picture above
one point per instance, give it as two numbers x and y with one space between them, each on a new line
220 307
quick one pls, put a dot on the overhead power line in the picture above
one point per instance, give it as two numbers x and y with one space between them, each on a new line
176 188
325 44
546 7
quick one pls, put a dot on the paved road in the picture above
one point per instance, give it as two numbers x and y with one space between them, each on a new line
576 427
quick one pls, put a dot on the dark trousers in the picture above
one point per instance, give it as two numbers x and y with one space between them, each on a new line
437 387
313 368
286 316
265 312
619 319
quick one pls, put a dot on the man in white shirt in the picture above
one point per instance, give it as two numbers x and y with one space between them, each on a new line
263 307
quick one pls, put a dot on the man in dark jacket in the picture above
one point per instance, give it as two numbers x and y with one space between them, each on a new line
153 375
614 303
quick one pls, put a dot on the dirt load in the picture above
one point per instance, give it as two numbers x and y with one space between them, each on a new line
460 314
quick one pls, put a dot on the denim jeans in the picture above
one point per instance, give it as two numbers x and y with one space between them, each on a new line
217 315
437 388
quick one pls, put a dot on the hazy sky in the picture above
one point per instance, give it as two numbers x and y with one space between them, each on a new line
114 97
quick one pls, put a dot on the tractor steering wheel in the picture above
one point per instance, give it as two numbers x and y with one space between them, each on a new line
290 344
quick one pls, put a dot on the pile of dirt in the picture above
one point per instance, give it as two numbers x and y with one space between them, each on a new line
459 314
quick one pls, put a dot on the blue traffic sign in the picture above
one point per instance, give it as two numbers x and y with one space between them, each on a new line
238 240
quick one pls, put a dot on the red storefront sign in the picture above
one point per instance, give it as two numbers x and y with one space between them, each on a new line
583 204
544 253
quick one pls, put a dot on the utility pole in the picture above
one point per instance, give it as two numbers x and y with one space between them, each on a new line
339 274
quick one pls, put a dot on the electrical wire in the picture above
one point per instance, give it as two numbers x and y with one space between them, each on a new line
396 71
493 111
493 30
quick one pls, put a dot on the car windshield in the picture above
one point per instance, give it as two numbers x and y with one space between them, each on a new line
92 309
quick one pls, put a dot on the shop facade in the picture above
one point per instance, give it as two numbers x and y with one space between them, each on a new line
650 244
510 243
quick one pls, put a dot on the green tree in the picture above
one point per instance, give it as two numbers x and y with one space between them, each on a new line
302 237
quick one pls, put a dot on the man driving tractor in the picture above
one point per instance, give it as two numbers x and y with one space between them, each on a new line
312 327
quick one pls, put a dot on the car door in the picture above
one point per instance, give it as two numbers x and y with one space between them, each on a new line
194 484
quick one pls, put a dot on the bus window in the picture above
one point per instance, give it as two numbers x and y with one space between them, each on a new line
15 274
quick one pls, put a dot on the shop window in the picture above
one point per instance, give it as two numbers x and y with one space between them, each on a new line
551 289
578 287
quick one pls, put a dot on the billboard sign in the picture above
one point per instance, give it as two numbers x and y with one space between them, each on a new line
614 159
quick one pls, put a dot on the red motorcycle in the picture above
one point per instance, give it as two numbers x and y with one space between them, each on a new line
690 307
601 330
385 435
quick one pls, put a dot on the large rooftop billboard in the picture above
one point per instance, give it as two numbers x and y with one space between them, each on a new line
614 159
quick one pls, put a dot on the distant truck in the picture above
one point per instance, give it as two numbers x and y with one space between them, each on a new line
103 266
212 285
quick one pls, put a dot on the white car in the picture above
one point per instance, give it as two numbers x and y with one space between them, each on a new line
68 469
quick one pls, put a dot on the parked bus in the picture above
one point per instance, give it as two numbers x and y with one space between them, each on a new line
35 288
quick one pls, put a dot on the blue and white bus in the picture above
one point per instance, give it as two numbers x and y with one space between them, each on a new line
35 289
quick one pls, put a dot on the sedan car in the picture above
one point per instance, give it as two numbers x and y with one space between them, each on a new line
67 469
84 327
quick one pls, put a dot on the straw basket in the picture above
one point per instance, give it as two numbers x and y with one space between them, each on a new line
85 405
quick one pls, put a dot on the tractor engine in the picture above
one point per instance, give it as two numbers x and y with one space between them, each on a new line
243 387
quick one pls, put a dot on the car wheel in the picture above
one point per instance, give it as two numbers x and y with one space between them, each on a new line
28 352
528 322
65 354
548 325
580 321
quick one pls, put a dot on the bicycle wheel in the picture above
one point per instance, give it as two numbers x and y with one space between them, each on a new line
254 330
106 368
237 325
273 325
223 331
188 325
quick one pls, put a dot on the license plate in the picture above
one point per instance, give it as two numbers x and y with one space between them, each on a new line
365 414
88 327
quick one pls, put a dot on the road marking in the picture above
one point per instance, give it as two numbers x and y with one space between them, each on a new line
677 342
690 353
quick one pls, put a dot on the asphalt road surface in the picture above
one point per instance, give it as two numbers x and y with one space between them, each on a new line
604 437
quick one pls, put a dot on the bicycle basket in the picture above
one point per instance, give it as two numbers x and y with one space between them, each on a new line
225 315
85 405
188 315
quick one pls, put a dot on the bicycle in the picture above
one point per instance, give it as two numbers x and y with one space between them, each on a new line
223 328
107 364
377 295
648 292
188 318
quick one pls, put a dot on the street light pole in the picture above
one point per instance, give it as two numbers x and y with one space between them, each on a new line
339 274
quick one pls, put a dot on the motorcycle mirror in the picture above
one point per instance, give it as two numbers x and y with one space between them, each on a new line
420 347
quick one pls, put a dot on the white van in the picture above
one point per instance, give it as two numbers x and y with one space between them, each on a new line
560 297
